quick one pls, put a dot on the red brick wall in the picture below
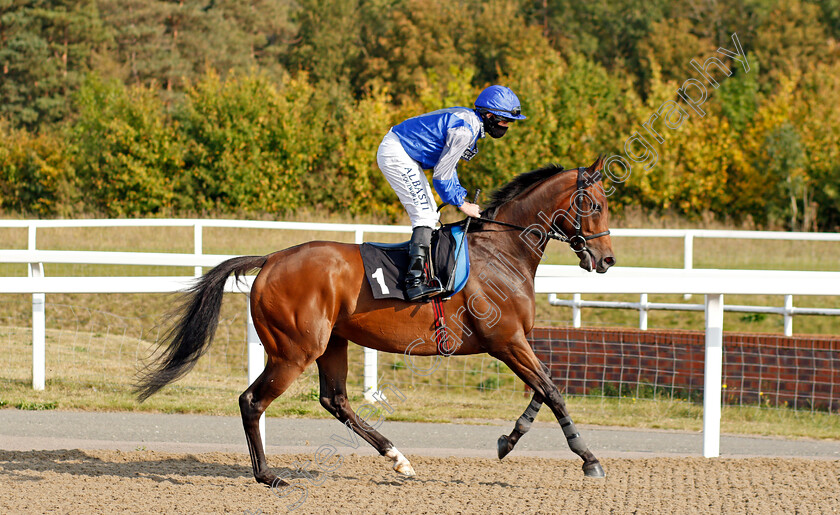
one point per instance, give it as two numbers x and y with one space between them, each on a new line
802 371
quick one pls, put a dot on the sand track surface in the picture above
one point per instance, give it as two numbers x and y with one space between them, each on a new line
100 481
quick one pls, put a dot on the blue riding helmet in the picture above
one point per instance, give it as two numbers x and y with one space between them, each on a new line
501 101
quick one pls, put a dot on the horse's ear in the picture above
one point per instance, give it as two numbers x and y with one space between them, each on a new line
598 164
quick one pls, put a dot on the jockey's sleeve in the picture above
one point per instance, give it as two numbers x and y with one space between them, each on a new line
445 175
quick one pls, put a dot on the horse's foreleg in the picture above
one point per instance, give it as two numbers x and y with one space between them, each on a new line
521 359
332 370
506 443
252 403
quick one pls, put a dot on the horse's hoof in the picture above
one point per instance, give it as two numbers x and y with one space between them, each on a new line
503 446
401 463
270 480
405 469
593 470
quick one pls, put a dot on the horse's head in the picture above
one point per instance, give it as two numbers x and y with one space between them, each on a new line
568 206
582 216
597 254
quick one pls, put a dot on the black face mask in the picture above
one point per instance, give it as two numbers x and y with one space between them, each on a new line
495 130
492 127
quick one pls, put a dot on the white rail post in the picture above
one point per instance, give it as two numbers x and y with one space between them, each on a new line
199 245
576 310
788 315
688 251
643 311
39 322
39 333
256 360
688 255
713 376
371 355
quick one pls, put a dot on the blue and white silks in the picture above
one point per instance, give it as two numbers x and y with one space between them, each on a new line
438 140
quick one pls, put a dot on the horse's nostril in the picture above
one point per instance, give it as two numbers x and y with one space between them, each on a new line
609 260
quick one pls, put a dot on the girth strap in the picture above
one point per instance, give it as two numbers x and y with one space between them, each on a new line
441 339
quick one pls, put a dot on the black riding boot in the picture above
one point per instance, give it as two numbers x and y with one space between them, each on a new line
418 252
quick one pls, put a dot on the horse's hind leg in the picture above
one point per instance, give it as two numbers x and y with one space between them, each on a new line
273 381
332 369
521 359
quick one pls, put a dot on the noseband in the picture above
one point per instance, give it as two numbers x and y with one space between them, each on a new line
577 242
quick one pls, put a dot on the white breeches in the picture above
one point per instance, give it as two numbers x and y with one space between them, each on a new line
409 182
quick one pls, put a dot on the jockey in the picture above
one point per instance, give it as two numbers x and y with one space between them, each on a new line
437 140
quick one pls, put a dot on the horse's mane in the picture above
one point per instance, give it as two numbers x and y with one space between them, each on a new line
515 187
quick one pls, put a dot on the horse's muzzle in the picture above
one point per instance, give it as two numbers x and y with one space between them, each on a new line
592 261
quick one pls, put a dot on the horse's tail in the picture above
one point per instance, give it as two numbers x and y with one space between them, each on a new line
190 335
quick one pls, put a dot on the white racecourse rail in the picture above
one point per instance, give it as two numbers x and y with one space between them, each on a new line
552 279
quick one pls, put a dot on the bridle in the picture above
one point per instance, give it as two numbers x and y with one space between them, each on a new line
577 242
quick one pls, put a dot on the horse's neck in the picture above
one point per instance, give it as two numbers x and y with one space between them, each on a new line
535 207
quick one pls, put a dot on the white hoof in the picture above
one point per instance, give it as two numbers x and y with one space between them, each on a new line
405 469
401 464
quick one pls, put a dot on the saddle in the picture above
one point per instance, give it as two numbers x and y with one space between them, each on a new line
386 263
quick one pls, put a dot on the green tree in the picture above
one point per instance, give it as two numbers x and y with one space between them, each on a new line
606 31
264 28
818 123
785 167
667 50
497 35
138 39
127 153
45 49
170 42
249 143
774 171
328 46
352 180
36 173
739 94
830 15
791 41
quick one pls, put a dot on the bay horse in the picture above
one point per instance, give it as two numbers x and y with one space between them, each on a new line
308 301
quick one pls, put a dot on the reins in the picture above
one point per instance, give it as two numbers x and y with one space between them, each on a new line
578 237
